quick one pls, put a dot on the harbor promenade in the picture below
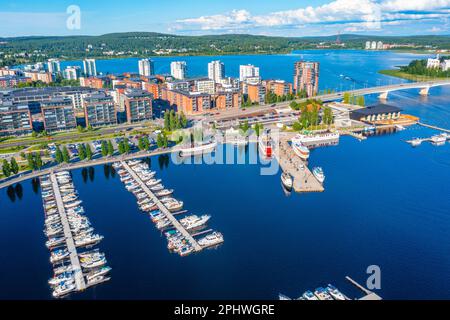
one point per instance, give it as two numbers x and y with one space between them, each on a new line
74 260
304 180
163 208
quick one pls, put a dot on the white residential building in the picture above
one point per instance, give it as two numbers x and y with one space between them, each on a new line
368 45
178 69
205 86
72 73
248 71
433 63
146 67
90 68
216 71
54 66
445 65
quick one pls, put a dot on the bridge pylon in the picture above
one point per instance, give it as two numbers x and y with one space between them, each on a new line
424 91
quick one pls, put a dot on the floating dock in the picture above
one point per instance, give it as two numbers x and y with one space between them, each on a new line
74 260
304 180
177 225
369 295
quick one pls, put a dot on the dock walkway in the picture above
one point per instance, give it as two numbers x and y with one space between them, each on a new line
163 208
433 127
74 260
304 180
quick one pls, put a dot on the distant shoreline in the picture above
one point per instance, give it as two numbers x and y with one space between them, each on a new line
403 75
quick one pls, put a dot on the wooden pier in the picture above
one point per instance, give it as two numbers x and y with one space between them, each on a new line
74 259
304 180
163 208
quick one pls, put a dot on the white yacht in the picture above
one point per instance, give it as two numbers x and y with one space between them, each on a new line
194 221
335 293
318 173
322 294
64 289
439 139
212 239
308 295
287 180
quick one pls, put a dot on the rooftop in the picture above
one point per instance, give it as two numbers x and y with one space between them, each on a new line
376 109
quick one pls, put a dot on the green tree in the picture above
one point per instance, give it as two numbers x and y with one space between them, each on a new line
6 168
141 144
183 120
361 101
110 148
65 155
126 145
88 151
58 155
167 120
81 151
80 129
34 134
294 105
347 97
14 166
38 161
160 141
31 161
258 128
104 148
244 126
121 147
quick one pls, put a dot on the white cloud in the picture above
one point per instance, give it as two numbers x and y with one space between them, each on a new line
355 15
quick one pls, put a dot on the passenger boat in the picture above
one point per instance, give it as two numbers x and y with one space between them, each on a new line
266 146
199 149
439 139
318 173
300 150
317 140
287 180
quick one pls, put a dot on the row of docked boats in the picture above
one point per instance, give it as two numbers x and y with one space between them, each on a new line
69 231
328 293
158 202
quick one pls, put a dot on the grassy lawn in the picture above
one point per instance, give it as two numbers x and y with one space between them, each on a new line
11 150
404 75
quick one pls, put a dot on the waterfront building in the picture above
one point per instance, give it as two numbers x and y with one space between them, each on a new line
153 87
380 113
191 103
137 105
306 77
368 45
91 82
433 63
255 93
445 65
42 76
99 109
379 45
72 73
227 99
373 46
58 114
216 70
90 67
182 85
178 69
54 66
205 85
10 81
146 67
248 71
15 119
278 87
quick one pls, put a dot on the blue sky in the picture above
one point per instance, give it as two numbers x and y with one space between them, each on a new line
267 17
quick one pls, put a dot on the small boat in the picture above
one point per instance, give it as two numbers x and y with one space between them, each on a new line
318 173
266 146
282 297
439 139
335 293
64 289
66 276
287 180
322 294
212 239
308 295
163 193
416 142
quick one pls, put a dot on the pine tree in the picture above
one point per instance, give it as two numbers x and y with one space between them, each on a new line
65 155
88 152
110 148
31 161
126 145
104 148
14 166
81 152
58 155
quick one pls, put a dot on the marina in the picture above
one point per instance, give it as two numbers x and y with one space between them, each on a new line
437 140
303 179
162 209
68 231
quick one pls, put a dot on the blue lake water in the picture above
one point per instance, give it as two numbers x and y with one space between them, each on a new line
385 204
